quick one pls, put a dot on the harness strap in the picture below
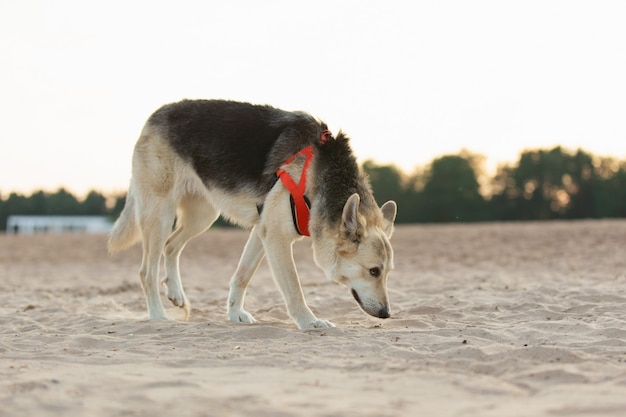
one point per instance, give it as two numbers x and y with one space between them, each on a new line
300 204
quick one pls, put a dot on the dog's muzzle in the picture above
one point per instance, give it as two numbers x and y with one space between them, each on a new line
381 313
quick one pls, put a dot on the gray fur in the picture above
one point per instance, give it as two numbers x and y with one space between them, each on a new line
197 159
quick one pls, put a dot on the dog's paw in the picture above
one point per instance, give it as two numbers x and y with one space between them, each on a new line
160 317
241 316
316 324
179 300
175 293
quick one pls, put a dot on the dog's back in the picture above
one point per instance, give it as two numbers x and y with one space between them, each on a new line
232 144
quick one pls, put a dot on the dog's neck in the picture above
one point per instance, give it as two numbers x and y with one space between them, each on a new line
300 203
334 176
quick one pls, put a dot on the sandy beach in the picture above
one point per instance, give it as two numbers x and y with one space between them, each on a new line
497 319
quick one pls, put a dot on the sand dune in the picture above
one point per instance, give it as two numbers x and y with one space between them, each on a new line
520 319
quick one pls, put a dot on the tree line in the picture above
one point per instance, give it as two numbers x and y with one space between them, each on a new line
541 185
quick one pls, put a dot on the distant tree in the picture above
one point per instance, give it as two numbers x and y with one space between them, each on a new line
14 204
411 206
580 182
610 189
118 206
619 191
534 189
63 203
38 203
386 181
389 183
3 215
94 204
451 191
556 184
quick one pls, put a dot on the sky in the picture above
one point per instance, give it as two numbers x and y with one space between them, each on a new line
408 81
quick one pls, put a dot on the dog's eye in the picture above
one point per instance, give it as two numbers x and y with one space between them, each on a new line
375 272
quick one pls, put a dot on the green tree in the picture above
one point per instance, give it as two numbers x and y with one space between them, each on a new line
389 183
451 191
386 181
619 191
63 203
14 204
534 189
38 203
610 190
580 182
118 206
94 204
553 184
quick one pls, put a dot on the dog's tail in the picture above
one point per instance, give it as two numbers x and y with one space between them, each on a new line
125 232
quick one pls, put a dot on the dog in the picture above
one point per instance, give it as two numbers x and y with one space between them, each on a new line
281 174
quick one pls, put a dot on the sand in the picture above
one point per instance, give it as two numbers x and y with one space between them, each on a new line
517 319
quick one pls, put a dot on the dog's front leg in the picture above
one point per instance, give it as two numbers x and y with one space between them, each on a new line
279 252
248 264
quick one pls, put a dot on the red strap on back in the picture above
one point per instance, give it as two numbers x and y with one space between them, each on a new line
301 209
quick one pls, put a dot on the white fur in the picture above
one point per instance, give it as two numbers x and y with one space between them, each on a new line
164 186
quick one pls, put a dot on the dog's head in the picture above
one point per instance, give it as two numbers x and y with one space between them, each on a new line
358 254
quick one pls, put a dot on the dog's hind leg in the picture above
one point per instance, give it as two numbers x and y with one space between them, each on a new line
156 224
251 257
195 215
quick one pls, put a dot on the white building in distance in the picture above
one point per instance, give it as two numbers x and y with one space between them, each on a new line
28 225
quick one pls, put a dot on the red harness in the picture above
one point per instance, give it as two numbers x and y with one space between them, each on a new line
300 204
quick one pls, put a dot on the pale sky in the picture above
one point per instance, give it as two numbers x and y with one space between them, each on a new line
408 80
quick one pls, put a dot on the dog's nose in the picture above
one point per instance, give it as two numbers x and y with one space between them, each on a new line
383 313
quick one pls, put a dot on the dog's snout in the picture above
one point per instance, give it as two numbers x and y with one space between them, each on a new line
371 307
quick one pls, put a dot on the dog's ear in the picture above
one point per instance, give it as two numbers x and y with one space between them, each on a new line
389 210
351 227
